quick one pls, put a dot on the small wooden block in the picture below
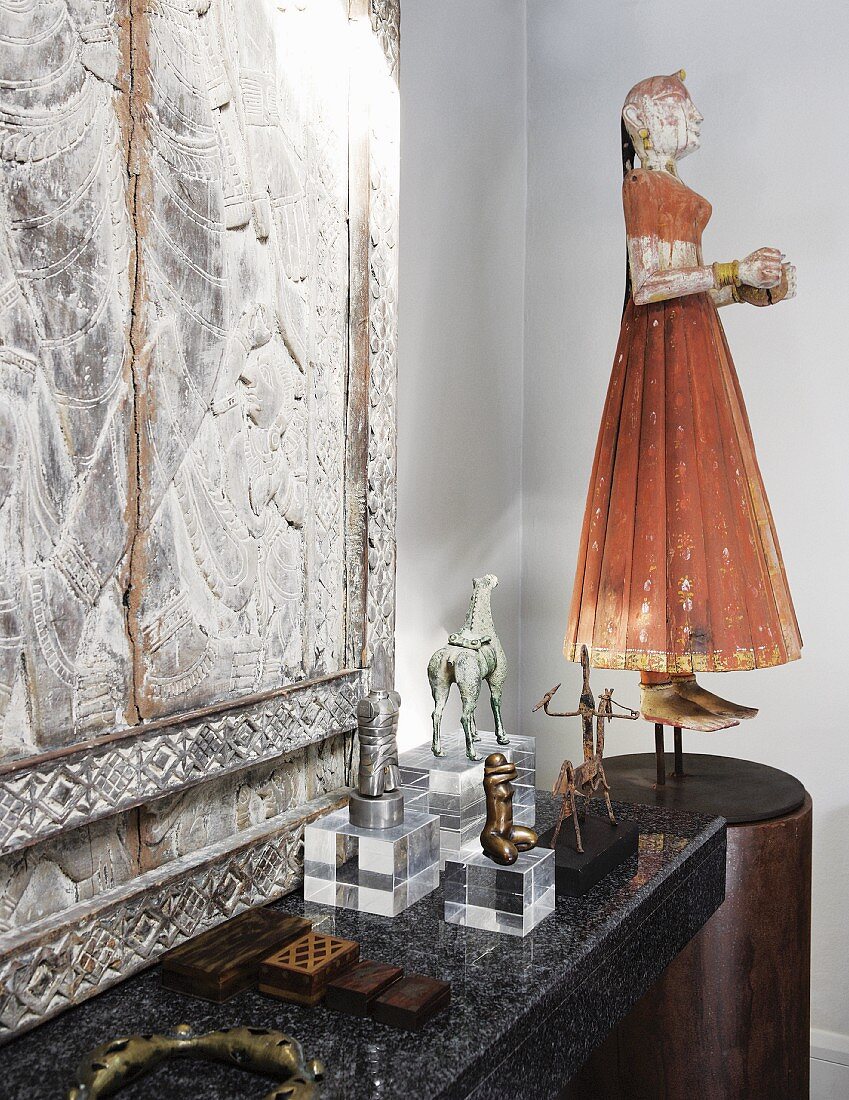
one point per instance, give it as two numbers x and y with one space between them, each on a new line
301 971
411 1002
353 991
225 960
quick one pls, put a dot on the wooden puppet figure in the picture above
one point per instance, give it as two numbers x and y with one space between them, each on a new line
679 569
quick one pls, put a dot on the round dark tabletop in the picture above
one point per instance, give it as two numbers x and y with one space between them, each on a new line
722 786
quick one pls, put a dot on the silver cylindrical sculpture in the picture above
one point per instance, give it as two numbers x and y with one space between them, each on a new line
378 802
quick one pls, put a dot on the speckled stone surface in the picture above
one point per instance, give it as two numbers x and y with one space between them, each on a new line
524 1012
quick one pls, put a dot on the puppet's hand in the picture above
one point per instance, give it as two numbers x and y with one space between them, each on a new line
761 268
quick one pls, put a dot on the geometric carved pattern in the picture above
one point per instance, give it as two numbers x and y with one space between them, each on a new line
41 798
310 953
100 942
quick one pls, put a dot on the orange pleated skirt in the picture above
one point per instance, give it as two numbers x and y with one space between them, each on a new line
679 568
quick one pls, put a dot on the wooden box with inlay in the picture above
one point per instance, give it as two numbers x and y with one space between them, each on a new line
353 991
225 960
411 1002
301 971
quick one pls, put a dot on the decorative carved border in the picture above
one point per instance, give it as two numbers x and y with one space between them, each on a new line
384 165
79 785
71 957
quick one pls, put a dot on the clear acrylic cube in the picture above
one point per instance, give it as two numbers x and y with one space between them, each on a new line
480 893
451 786
382 871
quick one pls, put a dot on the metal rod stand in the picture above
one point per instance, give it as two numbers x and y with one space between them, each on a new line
679 753
659 753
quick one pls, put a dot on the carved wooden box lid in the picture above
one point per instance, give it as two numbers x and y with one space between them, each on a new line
301 971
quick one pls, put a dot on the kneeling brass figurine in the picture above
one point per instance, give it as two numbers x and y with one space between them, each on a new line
107 1068
588 778
501 840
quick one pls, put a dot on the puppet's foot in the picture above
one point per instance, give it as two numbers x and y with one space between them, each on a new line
689 688
661 703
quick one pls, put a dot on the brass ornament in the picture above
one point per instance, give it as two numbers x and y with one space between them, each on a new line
108 1068
501 840
726 274
682 75
646 140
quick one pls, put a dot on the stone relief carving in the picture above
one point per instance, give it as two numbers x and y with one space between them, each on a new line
386 23
238 554
175 361
173 300
384 165
90 863
34 885
47 797
96 943
65 257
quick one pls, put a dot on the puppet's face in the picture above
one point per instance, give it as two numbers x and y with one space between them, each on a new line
689 127
673 123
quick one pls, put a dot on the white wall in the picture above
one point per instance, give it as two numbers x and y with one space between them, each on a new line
773 84
460 337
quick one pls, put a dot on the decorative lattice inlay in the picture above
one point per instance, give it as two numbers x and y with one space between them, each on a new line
311 953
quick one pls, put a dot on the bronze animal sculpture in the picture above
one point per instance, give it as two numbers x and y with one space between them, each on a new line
588 778
473 654
501 839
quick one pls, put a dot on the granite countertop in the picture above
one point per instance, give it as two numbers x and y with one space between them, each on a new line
524 1014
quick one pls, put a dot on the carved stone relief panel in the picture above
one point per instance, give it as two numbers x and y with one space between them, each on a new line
92 945
90 863
198 306
174 281
66 261
242 142
35 884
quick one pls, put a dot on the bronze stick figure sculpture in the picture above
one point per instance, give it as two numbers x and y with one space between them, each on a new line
501 840
588 778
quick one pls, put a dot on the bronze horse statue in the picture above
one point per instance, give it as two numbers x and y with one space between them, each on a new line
473 654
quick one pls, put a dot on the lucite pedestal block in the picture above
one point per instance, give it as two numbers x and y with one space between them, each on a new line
381 871
483 894
451 786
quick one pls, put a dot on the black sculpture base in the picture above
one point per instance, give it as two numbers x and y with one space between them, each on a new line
721 786
605 847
